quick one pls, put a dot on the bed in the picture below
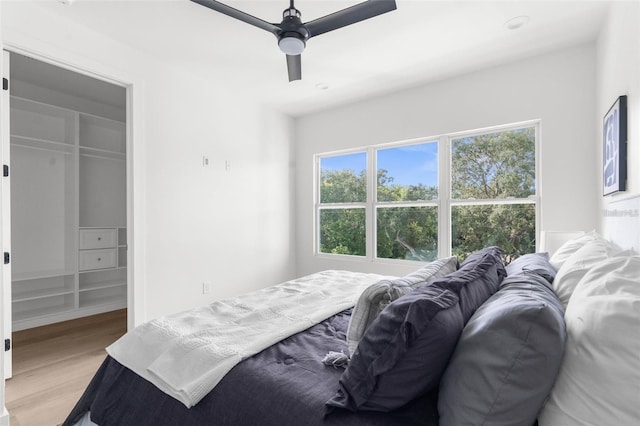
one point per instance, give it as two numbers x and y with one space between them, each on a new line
547 339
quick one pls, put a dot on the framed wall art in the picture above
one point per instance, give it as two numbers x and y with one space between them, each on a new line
614 158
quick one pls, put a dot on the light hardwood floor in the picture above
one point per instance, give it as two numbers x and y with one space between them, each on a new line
53 364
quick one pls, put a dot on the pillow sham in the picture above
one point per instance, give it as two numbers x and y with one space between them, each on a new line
577 265
507 357
599 378
479 276
569 247
537 263
403 353
377 296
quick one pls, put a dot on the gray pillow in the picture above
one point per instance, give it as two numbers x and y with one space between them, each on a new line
377 296
537 263
479 276
507 357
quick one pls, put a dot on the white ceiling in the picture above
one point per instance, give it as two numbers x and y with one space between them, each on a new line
421 41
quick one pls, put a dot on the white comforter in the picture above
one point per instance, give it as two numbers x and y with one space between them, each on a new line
187 354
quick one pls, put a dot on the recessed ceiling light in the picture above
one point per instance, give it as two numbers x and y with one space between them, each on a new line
67 2
517 22
322 86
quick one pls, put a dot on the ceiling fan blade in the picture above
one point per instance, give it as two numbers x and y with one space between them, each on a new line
348 16
294 66
242 16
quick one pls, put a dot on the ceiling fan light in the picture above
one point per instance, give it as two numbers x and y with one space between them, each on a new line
291 45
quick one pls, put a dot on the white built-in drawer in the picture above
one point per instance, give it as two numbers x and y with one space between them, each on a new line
96 259
98 238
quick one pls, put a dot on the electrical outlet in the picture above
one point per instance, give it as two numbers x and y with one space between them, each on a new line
227 165
206 287
205 161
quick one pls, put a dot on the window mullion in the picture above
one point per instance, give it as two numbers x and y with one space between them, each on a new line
493 201
370 212
538 157
316 201
444 197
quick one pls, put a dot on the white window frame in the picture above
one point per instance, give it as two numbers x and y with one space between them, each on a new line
318 206
444 202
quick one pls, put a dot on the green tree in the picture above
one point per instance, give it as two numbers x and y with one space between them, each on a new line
493 166
393 192
342 231
509 226
343 186
407 233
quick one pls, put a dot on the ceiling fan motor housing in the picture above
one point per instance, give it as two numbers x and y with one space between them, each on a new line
292 38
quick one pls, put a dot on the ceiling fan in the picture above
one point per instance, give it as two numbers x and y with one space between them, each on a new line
292 33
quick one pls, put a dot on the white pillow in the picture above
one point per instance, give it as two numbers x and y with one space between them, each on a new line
599 378
570 247
577 265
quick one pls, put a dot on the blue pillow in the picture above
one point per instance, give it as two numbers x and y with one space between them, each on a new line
479 276
403 353
537 263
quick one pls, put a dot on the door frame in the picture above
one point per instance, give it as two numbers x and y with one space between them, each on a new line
135 167
5 273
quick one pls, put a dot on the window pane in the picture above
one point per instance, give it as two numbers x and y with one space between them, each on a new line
494 165
509 226
343 178
408 173
342 231
407 233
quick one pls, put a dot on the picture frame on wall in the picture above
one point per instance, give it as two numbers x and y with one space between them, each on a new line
614 158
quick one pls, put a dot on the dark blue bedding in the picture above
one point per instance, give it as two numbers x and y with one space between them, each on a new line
286 384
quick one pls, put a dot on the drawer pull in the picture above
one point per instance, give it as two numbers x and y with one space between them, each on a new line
99 238
99 259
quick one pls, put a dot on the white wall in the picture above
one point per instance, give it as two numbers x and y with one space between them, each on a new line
558 88
618 73
191 224
231 228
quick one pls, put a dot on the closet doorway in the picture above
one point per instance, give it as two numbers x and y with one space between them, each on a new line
68 171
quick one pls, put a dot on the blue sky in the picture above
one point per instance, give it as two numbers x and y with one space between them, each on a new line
408 165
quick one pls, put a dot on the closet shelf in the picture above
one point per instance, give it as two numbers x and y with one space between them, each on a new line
19 296
41 312
35 275
101 285
114 302
86 151
44 144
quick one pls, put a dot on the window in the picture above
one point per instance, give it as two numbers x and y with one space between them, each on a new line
407 202
493 188
418 201
343 196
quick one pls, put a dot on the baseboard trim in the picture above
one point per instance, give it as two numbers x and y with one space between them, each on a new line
4 418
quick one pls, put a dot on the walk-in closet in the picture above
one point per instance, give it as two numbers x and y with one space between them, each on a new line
68 194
